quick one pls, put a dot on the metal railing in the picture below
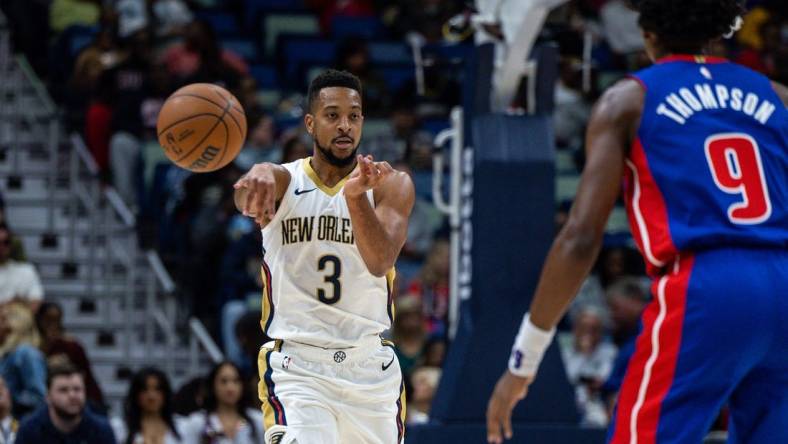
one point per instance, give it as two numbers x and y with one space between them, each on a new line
116 269
452 207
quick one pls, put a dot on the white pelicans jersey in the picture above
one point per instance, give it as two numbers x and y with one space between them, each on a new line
317 289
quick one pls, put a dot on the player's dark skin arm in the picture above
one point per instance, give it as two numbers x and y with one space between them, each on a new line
258 191
781 91
379 232
611 128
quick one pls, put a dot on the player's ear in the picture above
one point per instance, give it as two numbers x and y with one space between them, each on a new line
309 123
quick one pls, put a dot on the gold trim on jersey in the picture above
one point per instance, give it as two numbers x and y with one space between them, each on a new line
267 311
310 172
272 415
392 310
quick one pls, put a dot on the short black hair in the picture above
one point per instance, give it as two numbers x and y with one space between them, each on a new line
331 78
687 25
61 369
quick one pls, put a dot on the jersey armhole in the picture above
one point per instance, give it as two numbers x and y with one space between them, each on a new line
284 204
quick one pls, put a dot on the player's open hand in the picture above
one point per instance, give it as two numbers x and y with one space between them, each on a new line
367 176
509 390
259 199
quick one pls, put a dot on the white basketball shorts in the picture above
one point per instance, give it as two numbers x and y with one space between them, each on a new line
313 395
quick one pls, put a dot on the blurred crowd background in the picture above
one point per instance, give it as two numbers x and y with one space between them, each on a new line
111 64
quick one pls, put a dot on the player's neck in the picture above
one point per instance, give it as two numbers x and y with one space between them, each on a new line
329 174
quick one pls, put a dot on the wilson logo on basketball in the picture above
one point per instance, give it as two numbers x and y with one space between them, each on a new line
205 158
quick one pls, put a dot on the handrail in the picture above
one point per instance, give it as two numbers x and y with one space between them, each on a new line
205 340
83 153
162 276
120 207
31 77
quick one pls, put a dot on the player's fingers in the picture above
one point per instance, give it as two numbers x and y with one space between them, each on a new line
241 183
384 168
493 425
249 204
270 205
507 423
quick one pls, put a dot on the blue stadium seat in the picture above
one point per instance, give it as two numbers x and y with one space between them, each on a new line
365 27
297 54
223 23
265 76
244 48
390 53
448 53
397 76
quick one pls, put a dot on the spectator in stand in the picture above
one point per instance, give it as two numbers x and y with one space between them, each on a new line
405 131
148 411
424 17
353 56
65 419
328 9
170 17
227 417
17 248
294 148
250 337
128 82
626 298
435 352
773 44
409 333
588 360
261 145
424 382
425 220
57 347
571 107
200 58
65 13
18 280
21 363
431 287
98 125
8 423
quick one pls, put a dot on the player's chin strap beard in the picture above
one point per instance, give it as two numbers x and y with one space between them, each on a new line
333 159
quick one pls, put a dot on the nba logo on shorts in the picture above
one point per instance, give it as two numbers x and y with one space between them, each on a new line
286 362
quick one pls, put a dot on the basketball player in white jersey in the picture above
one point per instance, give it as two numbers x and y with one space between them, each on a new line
333 226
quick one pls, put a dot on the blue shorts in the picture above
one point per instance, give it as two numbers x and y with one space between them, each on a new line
716 332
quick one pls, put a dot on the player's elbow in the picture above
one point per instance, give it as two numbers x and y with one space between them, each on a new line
380 270
580 241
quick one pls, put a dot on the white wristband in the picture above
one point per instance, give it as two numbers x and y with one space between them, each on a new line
529 348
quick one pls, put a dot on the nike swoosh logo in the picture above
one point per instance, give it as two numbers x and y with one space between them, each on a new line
386 366
300 192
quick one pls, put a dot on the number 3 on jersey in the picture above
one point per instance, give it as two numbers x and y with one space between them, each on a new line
735 163
332 278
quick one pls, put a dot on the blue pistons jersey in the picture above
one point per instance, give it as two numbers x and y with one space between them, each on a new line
706 186
709 168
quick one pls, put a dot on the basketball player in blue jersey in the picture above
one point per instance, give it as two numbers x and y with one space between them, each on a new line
702 147
333 225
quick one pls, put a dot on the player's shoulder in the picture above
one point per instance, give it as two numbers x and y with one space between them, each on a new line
621 100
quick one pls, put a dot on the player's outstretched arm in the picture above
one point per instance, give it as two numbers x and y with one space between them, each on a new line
380 232
611 127
257 192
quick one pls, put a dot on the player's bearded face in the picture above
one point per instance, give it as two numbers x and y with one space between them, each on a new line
336 125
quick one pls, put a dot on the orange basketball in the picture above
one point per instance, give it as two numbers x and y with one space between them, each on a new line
201 127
